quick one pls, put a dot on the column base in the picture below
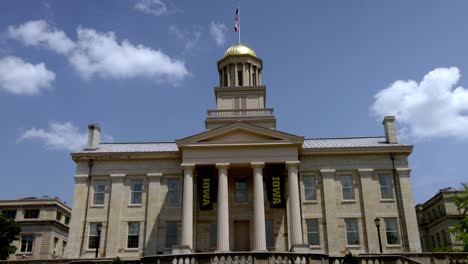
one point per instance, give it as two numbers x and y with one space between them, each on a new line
222 251
182 250
300 248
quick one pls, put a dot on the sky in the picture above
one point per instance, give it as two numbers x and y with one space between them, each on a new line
145 71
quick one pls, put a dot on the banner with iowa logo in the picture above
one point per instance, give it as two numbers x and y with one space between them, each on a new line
207 187
275 185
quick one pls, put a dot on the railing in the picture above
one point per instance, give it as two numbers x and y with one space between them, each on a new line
240 113
238 258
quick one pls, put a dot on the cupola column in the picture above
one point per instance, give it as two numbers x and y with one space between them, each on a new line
223 208
236 78
228 75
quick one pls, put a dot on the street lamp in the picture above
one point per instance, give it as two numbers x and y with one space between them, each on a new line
377 224
99 229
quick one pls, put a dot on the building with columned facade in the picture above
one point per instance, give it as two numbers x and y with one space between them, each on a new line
242 185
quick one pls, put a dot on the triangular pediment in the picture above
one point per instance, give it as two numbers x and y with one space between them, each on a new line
239 133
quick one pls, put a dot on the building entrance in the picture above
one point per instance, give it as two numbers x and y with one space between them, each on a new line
241 235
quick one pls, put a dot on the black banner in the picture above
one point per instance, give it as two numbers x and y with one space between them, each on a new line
206 187
275 185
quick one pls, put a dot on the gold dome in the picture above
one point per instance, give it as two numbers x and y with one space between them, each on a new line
239 49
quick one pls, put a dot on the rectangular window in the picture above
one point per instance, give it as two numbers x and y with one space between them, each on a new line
313 232
67 220
171 234
213 234
133 234
27 242
241 191
347 187
173 191
240 102
309 188
352 231
136 191
31 213
99 193
386 186
270 242
56 240
58 216
9 213
93 236
391 230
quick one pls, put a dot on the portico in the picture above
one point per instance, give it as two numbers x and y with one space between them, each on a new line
250 150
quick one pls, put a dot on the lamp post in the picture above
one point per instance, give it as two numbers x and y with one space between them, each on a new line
377 224
99 229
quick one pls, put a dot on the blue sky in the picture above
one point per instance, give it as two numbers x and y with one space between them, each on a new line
145 70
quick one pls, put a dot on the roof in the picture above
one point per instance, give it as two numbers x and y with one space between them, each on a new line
316 143
354 142
240 49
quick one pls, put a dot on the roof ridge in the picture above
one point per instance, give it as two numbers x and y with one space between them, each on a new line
149 142
344 138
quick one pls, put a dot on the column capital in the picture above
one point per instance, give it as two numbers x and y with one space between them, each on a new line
79 178
293 163
222 165
403 171
365 172
327 172
187 165
257 164
117 176
154 176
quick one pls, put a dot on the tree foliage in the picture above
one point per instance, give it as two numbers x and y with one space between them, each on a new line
9 231
461 229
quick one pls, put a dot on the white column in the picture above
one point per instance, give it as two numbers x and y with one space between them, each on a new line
259 207
223 207
187 207
229 75
294 208
236 77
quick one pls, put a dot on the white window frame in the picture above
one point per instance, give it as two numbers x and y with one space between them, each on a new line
310 188
237 196
176 224
137 235
133 184
178 191
349 223
32 243
96 191
343 187
93 235
389 187
312 232
387 231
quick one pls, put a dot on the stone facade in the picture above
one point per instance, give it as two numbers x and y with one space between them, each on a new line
435 217
272 191
44 227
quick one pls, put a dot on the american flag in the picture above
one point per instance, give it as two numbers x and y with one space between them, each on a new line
236 19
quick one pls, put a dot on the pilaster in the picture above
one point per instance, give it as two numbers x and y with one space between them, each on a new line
78 212
152 217
329 202
369 202
113 220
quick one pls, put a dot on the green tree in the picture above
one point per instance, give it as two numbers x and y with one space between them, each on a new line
461 229
9 231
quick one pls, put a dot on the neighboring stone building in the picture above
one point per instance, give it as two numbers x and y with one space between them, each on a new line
44 226
435 217
242 185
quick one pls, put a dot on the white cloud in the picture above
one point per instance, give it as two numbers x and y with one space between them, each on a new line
433 107
100 54
152 7
38 32
218 32
23 78
189 37
60 136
